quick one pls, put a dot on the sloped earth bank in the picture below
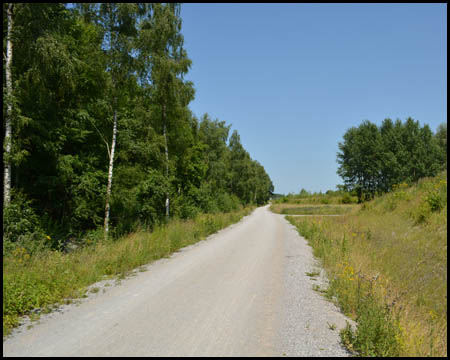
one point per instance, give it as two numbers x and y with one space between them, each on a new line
243 291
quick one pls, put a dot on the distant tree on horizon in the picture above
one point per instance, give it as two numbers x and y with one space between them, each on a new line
373 158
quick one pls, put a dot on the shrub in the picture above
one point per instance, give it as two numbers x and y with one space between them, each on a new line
436 201
348 199
187 210
377 334
21 225
227 202
92 237
437 197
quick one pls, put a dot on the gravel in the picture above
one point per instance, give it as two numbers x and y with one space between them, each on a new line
310 323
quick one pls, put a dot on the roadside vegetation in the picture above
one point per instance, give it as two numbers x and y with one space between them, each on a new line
51 277
98 130
340 196
105 165
386 262
311 209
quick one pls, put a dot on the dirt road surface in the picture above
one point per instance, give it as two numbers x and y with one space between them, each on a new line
241 292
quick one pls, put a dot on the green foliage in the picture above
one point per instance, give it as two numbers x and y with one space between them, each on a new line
227 202
348 199
73 69
441 138
377 333
437 198
433 199
150 196
372 159
21 225
340 196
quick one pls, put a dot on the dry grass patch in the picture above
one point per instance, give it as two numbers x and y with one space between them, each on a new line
394 252
312 209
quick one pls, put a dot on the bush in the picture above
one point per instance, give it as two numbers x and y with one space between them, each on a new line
150 197
93 237
377 334
437 199
348 199
187 210
21 225
227 202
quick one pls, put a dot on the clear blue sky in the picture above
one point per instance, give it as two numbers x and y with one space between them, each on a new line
292 78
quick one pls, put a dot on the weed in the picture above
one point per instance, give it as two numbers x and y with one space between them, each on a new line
313 273
377 333
319 289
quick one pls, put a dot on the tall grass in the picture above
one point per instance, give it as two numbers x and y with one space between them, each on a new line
387 265
52 277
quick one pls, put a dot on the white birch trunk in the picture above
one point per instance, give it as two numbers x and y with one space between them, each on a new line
110 175
167 170
8 133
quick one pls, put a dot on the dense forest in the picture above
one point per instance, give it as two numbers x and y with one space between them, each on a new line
98 135
373 159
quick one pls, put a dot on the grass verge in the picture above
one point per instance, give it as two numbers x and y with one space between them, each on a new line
310 209
387 265
51 277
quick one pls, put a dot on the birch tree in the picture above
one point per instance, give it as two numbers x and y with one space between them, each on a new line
119 23
8 119
167 62
101 133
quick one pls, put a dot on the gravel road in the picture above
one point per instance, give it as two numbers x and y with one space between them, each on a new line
241 292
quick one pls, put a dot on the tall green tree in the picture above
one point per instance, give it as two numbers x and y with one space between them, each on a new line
393 151
372 159
51 77
360 159
167 64
99 94
8 118
214 134
441 138
119 25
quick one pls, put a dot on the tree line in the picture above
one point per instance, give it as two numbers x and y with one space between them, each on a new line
373 158
98 132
